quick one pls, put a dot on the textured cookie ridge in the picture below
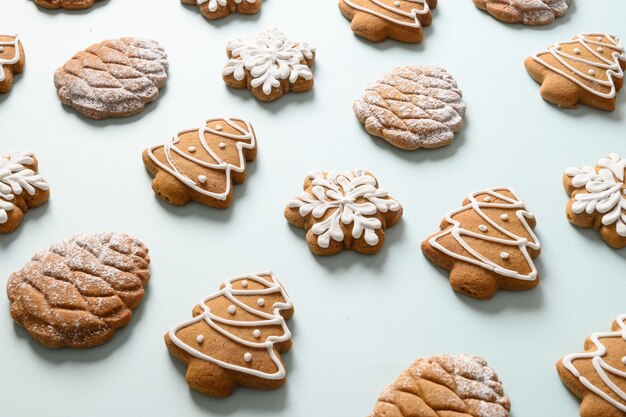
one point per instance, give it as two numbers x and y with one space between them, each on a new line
413 107
79 291
445 386
115 78
528 12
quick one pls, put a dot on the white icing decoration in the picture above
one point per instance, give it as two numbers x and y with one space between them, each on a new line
487 199
504 217
483 228
202 179
15 178
222 145
192 149
269 57
602 368
232 309
260 302
247 357
242 139
9 61
457 232
256 333
268 319
200 339
214 3
600 49
339 192
244 283
397 3
577 51
611 68
592 72
605 188
504 255
411 15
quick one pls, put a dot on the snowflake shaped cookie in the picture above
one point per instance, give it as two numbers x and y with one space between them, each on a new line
598 198
269 65
343 210
21 188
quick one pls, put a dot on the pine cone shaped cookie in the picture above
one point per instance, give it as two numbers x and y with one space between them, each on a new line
528 12
12 60
445 386
413 107
65 4
114 78
79 291
217 9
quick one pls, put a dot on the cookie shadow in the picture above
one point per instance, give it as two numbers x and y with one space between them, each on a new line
593 236
54 12
289 99
32 216
16 79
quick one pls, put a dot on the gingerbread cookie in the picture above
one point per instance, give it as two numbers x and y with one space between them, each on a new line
202 164
587 70
487 245
21 188
598 375
528 12
12 60
65 4
343 210
598 198
79 291
236 336
217 9
413 107
378 20
269 65
445 386
115 78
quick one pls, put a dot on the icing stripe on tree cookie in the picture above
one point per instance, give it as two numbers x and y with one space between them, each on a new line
9 61
602 368
246 140
273 319
458 232
595 44
395 9
213 3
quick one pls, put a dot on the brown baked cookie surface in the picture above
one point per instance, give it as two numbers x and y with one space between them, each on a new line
488 244
12 60
114 78
65 4
377 20
236 336
269 65
80 291
598 198
343 211
217 9
203 164
21 188
588 69
597 375
528 12
445 386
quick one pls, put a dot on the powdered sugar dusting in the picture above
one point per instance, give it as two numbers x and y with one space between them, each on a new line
533 12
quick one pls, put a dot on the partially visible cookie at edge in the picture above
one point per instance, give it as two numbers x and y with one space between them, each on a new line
12 60
528 12
66 4
217 9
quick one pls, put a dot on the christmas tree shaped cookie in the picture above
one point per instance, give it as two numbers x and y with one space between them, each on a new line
202 164
598 375
488 244
12 60
236 336
217 9
378 20
528 12
598 198
588 70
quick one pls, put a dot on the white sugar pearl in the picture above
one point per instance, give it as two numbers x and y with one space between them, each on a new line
487 199
504 217
244 283
1 49
504 255
222 145
202 179
256 333
247 357
600 49
191 149
232 309
260 302
592 72
218 127
624 360
397 3
577 51
599 38
483 228
200 339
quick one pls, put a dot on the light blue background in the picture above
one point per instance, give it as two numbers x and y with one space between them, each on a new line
360 320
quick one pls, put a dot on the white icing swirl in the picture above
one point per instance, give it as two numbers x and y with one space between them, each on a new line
411 15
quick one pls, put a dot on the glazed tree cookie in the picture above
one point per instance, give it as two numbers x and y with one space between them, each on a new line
378 20
202 164
21 188
81 290
598 198
343 210
487 245
217 9
269 65
597 376
65 4
413 107
12 60
587 70
528 12
115 78
236 336
445 386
